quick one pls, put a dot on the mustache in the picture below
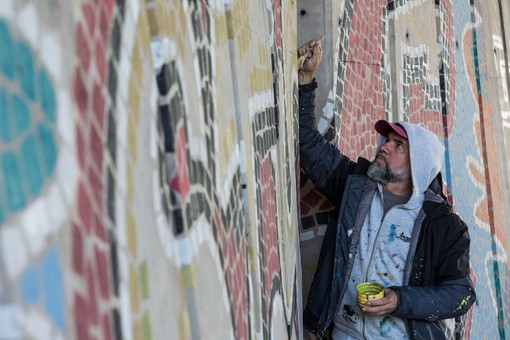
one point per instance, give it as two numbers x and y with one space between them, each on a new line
381 155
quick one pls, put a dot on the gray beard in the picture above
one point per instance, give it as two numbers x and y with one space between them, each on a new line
384 175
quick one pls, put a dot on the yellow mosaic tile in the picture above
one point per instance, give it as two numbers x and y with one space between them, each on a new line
261 79
183 328
144 280
144 31
133 95
189 276
263 53
133 290
146 327
245 40
137 330
132 127
132 238
227 141
221 30
136 64
129 183
231 24
153 21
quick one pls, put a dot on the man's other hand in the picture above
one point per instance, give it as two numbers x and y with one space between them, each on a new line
383 306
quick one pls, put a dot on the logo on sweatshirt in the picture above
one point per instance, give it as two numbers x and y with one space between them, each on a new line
404 237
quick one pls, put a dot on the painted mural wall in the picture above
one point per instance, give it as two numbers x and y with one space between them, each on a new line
148 185
149 170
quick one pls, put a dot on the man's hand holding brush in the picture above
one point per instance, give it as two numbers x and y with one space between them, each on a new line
309 58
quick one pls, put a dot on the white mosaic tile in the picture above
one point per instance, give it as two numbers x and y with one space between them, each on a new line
6 8
278 324
322 125
153 140
321 230
122 123
328 110
125 310
65 121
38 326
124 264
120 215
133 9
51 54
185 253
166 239
156 194
242 157
153 102
157 54
121 182
67 173
196 73
14 250
197 148
124 72
497 42
225 189
56 208
35 223
11 322
307 235
29 21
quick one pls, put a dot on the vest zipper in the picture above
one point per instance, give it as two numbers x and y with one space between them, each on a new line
369 265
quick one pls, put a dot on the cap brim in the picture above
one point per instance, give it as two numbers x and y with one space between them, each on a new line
383 127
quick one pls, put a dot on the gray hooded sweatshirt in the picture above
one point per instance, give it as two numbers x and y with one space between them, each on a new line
383 252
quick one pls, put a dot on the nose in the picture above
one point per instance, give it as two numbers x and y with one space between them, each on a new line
385 147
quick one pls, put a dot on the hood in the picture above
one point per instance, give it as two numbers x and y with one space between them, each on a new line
426 153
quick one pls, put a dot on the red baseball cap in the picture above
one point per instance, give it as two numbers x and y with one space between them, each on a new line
384 128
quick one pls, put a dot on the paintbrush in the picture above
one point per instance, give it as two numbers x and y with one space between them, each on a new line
302 59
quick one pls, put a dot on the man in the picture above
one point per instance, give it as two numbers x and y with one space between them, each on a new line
394 227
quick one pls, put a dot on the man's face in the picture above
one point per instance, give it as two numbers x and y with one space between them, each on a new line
392 162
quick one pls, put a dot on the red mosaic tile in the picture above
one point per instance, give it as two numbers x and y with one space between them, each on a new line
81 317
304 209
106 327
96 146
95 185
80 93
99 229
326 205
77 249
108 5
89 13
180 182
84 206
80 147
104 24
101 259
277 23
98 103
83 48
100 59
